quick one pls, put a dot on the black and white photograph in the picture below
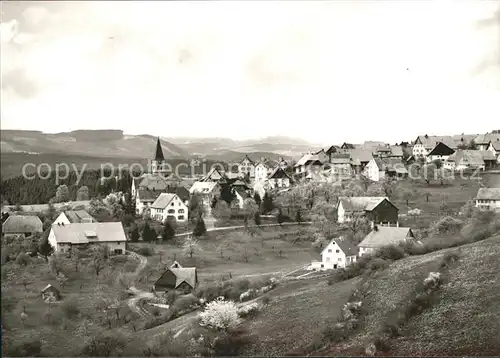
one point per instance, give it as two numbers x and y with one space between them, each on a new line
250 178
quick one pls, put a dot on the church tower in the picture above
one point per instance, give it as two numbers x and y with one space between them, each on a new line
158 165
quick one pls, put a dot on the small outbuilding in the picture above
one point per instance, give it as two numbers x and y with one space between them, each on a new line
177 278
51 294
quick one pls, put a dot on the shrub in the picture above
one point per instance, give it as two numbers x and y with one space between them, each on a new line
231 343
22 259
70 308
446 226
391 252
104 345
145 251
266 300
171 314
186 302
170 297
220 315
249 310
449 258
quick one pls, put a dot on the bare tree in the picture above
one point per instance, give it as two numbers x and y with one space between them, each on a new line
191 246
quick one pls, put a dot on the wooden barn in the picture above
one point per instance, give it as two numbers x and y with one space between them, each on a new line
177 278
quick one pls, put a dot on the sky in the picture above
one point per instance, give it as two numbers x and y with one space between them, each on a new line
325 71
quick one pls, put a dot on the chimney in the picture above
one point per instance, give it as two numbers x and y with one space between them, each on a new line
375 228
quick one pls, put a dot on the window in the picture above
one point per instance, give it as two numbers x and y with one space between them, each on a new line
181 217
329 250
337 251
340 259
171 211
181 211
172 204
327 259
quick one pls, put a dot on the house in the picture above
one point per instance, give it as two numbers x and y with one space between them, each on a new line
169 206
180 191
65 238
490 159
74 216
482 141
494 147
332 150
50 294
359 158
384 236
339 253
282 163
396 152
424 144
440 152
279 178
214 175
466 159
322 156
349 146
340 165
488 199
308 162
261 171
177 278
144 198
247 167
378 210
26 225
208 192
154 182
378 168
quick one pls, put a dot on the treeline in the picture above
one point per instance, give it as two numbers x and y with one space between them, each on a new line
23 191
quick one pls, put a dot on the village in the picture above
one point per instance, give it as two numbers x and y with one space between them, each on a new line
189 244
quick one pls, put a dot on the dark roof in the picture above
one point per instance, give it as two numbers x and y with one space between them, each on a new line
361 203
242 193
250 160
148 195
159 152
181 192
278 173
441 149
26 224
182 274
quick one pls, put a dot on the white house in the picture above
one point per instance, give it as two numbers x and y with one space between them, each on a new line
307 163
440 152
144 198
339 253
240 197
64 237
74 216
261 171
378 168
208 191
494 147
167 206
382 236
247 167
488 199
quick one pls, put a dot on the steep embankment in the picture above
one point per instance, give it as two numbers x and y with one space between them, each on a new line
463 320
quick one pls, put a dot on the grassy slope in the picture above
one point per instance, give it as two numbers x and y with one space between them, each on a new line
466 321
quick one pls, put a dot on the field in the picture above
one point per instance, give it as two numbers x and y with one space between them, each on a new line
465 321
233 254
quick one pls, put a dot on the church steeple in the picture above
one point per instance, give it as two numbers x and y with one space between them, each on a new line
159 152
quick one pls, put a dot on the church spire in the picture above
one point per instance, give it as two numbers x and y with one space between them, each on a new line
159 152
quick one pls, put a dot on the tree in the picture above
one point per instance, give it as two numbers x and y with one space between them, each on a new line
45 248
280 218
200 229
82 193
249 208
148 233
62 194
191 246
168 231
222 211
134 234
256 218
98 257
220 315
257 199
427 195
407 195
227 194
298 216
267 203
358 227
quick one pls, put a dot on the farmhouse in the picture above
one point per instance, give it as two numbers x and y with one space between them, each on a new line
261 171
306 164
214 175
384 236
440 152
379 168
22 225
494 147
339 253
247 167
378 210
340 165
465 159
488 199
208 191
65 238
144 199
177 278
169 206
482 141
74 216
279 178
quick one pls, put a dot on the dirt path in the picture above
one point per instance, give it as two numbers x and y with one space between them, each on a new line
139 295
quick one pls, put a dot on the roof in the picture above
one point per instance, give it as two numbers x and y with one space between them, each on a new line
163 200
360 155
159 152
467 157
307 159
441 149
361 203
211 173
247 158
496 145
204 187
486 138
242 193
148 195
488 155
77 216
488 194
396 151
385 236
391 164
26 224
346 245
48 287
278 173
181 192
156 181
84 233
429 142
340 158
182 274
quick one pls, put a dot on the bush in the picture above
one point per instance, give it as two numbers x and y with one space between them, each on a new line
231 343
186 302
70 308
249 310
391 252
266 300
145 251
449 258
104 345
220 315
22 259
171 314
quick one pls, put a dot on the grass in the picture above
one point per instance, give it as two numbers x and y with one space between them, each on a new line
465 321
61 327
272 250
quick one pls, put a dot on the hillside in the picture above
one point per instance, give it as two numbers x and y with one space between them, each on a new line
465 320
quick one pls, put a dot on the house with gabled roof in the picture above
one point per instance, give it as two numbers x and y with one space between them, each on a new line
144 198
482 141
247 167
169 206
340 252
466 159
279 178
440 152
378 210
307 163
74 216
378 168
177 278
349 146
494 147
214 175
488 199
65 238
261 171
382 236
208 191
26 225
